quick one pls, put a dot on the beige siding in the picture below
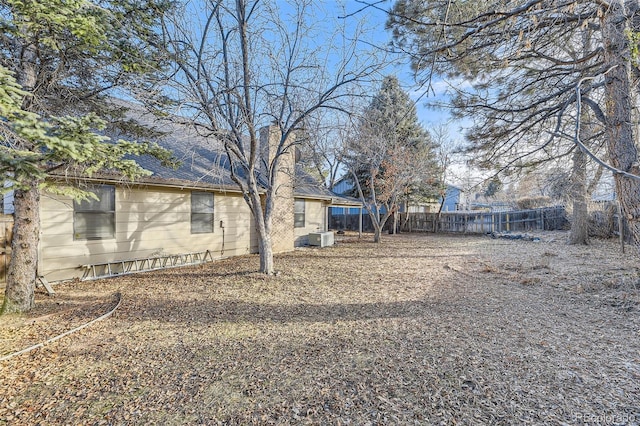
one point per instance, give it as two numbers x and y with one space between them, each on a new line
314 221
149 222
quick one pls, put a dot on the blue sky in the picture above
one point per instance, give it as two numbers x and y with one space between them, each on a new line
428 115
351 13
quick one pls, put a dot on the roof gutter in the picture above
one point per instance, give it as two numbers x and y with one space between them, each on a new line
177 184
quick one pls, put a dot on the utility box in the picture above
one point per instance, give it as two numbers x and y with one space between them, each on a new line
321 239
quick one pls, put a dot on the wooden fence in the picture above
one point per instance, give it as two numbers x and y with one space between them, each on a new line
549 218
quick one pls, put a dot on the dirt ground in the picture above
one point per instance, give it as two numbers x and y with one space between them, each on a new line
421 329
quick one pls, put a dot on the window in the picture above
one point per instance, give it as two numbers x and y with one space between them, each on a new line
96 219
298 213
201 212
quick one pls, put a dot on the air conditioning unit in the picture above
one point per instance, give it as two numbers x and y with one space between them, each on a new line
322 239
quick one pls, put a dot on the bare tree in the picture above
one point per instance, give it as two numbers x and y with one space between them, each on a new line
241 65
390 154
322 150
445 152
392 168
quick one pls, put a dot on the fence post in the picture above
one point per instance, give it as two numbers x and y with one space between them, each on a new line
620 226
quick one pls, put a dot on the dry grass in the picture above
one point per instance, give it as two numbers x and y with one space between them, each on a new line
421 329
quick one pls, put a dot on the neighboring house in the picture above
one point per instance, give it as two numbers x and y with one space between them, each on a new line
344 185
452 199
196 208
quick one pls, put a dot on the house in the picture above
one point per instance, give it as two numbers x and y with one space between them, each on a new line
193 212
315 202
452 198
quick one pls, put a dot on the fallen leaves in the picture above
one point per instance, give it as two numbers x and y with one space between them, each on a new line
420 329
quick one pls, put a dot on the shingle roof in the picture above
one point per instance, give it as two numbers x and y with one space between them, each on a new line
192 150
203 162
306 185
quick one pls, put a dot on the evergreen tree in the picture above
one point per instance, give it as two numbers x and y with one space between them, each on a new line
391 155
543 72
60 62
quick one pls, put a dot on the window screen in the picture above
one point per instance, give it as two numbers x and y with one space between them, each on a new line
298 216
201 212
96 219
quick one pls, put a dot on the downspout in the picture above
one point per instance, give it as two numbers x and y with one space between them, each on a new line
326 218
222 227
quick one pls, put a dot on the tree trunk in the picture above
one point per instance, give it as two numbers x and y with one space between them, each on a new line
395 224
23 266
263 228
379 225
621 146
580 223
265 248
377 229
436 222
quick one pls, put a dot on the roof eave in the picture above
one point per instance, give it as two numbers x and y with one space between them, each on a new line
155 182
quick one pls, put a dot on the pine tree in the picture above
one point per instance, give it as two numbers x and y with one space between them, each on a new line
61 59
537 68
391 155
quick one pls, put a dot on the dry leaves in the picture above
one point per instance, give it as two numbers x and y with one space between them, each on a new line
421 329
